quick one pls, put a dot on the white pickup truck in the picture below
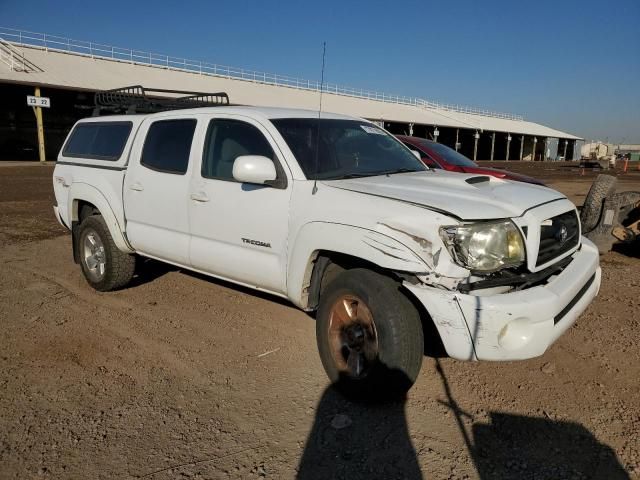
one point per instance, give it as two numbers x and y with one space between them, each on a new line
336 215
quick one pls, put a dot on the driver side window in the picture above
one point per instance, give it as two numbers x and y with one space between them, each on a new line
227 140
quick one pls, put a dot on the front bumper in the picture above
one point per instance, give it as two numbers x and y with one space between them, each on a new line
516 325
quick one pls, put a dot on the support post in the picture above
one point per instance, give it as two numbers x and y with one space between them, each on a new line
564 155
40 127
546 155
506 157
493 143
521 146
436 134
533 151
475 146
457 142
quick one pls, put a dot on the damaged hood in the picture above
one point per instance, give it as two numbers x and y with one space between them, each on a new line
468 197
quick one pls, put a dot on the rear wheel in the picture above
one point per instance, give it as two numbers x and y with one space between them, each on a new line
104 266
369 335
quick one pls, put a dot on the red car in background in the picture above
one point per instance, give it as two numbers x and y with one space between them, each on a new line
437 155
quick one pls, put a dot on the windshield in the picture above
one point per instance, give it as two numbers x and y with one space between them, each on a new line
450 155
347 148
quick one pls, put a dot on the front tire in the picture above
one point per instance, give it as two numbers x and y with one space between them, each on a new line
369 336
104 266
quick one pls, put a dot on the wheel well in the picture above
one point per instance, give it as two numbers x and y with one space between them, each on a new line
84 209
328 265
433 346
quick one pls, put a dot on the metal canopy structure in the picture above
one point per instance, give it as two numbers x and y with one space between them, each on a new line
68 63
60 64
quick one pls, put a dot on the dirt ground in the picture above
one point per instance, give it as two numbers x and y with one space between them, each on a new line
181 376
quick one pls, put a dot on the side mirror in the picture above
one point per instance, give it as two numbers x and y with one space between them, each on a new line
417 154
254 169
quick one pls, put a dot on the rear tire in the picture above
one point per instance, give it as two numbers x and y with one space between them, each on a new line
369 336
601 188
104 266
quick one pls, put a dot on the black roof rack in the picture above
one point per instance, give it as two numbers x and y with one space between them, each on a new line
138 99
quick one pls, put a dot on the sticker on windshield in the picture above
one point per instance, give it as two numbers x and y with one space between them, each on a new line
374 130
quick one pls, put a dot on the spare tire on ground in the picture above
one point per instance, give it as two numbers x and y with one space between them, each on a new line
601 188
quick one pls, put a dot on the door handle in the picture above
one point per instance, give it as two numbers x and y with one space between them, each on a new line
199 197
136 186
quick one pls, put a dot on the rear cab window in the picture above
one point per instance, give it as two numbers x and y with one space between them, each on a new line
167 146
98 140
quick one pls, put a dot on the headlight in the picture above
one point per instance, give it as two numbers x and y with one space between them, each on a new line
485 246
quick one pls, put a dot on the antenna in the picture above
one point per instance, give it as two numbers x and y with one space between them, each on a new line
315 175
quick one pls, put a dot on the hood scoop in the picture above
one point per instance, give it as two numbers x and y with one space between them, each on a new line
479 179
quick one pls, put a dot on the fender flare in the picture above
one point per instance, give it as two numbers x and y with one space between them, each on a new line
382 250
85 192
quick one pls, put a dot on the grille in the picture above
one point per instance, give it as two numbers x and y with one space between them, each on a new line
558 237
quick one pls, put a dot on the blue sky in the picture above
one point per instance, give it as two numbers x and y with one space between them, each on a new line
574 65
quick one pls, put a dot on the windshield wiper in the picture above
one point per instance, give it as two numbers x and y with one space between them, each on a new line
352 175
357 175
374 174
398 170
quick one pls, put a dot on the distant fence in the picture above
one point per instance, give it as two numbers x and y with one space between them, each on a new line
99 50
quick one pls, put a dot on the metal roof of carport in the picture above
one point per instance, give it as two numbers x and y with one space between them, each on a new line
73 70
512 126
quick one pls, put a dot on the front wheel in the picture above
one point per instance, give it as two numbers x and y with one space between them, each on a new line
369 335
104 266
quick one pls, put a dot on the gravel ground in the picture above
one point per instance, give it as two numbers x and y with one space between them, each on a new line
181 376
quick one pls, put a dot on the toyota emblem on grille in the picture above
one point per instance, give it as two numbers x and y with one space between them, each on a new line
561 234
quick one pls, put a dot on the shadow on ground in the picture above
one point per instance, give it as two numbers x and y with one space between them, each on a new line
147 270
353 441
628 249
517 446
530 448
